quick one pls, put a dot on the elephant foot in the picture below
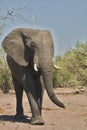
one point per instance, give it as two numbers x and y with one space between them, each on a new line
19 116
37 121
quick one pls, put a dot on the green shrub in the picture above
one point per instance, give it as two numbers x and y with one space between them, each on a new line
5 74
74 67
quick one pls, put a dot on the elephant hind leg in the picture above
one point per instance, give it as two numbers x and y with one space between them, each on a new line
19 94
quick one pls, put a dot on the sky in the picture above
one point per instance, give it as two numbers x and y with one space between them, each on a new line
65 19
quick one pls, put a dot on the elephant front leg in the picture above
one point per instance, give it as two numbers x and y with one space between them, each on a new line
19 93
39 91
36 115
30 90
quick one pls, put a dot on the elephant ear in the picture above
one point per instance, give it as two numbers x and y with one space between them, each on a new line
14 46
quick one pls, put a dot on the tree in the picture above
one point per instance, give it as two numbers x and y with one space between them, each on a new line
5 75
12 14
74 67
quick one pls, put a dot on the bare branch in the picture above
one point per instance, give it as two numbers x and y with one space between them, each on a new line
14 12
10 13
23 18
21 8
1 28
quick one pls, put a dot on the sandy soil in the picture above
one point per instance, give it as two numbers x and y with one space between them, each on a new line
74 117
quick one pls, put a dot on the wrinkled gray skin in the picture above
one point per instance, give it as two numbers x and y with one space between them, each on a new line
26 48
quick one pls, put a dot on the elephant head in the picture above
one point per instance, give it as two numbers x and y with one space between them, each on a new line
27 46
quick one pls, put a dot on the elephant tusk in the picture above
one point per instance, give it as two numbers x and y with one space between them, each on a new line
35 67
57 67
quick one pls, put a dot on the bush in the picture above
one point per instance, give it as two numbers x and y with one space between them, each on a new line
5 74
74 67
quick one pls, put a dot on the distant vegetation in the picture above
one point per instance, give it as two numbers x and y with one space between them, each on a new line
74 67
72 74
5 74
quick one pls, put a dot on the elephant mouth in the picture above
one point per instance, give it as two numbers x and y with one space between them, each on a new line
54 66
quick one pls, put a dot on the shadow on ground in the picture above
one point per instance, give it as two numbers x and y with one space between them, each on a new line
11 118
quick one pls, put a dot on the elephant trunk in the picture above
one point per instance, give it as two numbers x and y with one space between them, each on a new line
47 76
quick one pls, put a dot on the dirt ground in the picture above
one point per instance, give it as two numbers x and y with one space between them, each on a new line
74 117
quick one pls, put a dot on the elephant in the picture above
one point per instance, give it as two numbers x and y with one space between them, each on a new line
29 57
